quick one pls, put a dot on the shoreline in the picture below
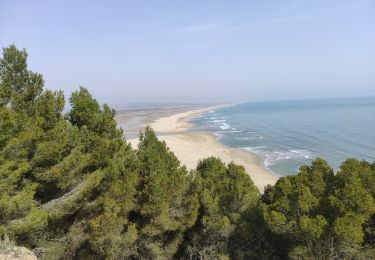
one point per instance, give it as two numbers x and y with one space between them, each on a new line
179 122
192 146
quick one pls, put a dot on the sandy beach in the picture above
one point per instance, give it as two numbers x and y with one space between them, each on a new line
192 146
179 122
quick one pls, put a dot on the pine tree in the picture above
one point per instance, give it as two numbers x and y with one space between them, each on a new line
167 205
226 194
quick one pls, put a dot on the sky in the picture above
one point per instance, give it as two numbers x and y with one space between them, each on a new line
197 51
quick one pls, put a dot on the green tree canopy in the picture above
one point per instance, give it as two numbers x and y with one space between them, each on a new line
167 205
71 187
318 213
226 195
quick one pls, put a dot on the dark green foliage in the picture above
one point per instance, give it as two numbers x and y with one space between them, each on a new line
71 187
85 110
166 206
227 195
62 183
19 87
49 108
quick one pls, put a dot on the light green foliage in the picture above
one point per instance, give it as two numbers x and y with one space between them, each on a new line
321 214
34 221
312 228
353 204
348 228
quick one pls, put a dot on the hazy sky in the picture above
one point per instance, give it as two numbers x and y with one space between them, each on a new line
197 51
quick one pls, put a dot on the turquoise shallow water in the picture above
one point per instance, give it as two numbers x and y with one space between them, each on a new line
288 134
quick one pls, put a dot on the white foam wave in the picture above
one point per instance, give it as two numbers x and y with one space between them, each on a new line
304 153
259 148
267 163
273 157
234 130
218 136
225 126
249 138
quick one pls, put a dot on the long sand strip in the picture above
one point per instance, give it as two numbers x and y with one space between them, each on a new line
190 147
193 146
179 122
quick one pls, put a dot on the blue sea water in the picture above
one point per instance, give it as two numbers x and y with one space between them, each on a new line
287 134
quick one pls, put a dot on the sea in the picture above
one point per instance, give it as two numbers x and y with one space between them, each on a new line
288 134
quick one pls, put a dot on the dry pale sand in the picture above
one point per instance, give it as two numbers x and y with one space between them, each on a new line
193 146
134 120
179 122
190 147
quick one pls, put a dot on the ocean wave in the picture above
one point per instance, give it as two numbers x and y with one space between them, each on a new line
291 154
304 153
221 123
274 157
224 126
248 138
255 149
218 136
267 163
215 117
234 130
